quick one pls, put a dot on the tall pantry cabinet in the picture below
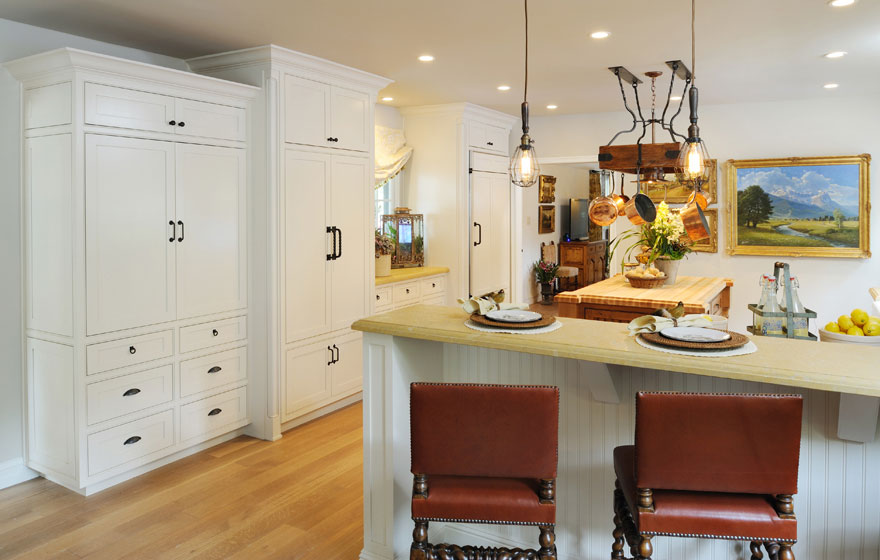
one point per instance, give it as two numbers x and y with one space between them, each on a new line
135 237
314 123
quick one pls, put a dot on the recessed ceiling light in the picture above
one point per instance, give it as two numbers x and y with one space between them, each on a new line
831 86
387 99
835 54
599 34
503 88
675 98
841 3
426 58
551 107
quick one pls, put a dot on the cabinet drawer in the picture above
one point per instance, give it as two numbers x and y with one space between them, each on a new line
128 108
435 300
433 286
383 299
407 292
205 335
129 393
128 351
119 445
488 137
573 256
210 120
203 418
210 372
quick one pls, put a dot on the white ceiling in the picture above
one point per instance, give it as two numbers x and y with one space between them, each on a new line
747 50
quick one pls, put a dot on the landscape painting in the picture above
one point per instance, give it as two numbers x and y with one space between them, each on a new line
675 192
799 206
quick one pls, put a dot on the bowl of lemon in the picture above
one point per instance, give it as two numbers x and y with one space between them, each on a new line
856 328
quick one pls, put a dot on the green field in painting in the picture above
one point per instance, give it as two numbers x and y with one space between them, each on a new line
823 234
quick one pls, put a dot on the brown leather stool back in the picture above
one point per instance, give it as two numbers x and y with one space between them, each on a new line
484 430
718 443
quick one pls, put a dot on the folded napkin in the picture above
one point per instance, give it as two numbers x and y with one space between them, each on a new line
489 302
652 323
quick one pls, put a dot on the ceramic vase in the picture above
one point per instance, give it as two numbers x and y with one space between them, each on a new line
383 265
670 267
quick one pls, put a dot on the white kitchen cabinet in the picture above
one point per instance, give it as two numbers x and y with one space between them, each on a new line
429 290
135 237
346 371
350 118
320 114
306 384
490 244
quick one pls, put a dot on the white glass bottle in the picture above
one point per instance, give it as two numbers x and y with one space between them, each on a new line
758 320
800 325
771 325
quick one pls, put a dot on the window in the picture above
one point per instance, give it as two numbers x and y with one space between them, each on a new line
386 198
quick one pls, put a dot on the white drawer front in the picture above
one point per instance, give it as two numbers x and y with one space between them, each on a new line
128 351
128 108
435 300
209 372
205 335
123 395
383 299
496 139
204 417
406 292
210 120
433 286
119 445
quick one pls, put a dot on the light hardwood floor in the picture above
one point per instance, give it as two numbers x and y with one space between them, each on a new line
300 497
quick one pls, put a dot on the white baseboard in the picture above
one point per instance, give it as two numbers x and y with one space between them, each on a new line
323 411
13 472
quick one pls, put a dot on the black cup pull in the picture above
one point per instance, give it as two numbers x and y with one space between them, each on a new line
215 332
215 369
131 440
181 124
172 123
131 392
132 350
182 233
215 412
173 231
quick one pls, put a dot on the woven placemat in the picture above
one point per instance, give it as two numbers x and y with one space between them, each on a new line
736 340
544 321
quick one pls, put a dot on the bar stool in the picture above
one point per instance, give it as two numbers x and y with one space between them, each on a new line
483 454
711 466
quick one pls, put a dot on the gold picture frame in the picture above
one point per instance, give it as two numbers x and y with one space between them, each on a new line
676 193
546 219
820 207
710 244
546 189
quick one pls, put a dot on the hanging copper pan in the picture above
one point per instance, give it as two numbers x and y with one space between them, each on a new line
695 223
621 199
640 209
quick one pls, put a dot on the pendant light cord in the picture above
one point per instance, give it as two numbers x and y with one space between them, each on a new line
526 87
693 41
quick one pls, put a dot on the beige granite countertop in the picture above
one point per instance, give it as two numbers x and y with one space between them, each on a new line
844 368
401 274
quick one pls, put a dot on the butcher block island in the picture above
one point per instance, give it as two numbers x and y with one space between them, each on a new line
615 300
598 368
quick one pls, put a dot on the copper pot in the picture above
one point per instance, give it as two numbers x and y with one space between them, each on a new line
621 199
694 221
640 209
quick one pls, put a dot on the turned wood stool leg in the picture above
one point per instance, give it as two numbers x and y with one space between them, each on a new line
548 543
772 550
755 547
785 552
646 549
619 543
419 548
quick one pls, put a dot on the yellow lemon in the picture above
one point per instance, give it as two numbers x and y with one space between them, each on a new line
855 331
859 317
845 323
872 329
832 327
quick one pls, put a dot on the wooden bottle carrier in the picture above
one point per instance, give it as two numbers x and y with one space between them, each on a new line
788 314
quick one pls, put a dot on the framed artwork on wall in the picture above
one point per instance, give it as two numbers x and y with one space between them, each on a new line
676 193
816 206
546 219
710 244
546 189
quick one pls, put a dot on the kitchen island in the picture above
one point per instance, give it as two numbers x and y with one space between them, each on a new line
598 369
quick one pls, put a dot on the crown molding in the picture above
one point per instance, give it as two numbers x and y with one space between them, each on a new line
468 111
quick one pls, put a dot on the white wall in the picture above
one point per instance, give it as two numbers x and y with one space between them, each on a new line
18 40
388 116
836 126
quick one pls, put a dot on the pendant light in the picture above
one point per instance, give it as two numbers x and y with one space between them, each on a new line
524 168
693 159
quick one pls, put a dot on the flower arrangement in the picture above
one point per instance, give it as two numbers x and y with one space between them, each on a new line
666 237
545 271
384 244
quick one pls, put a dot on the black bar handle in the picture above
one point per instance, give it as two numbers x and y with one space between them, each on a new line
330 363
215 369
131 440
332 241
173 231
132 350
131 392
480 239
182 232
215 411
337 354
339 231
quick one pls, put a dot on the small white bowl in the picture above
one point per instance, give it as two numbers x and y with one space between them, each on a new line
828 336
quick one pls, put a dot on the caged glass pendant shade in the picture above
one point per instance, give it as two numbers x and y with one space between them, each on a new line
524 167
693 161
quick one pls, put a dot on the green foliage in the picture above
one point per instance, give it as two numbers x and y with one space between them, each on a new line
384 243
838 218
753 206
545 271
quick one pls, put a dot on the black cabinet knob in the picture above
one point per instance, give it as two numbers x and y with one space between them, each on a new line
407 290
215 412
131 392
490 143
181 124
433 285
377 297
172 123
132 349
215 332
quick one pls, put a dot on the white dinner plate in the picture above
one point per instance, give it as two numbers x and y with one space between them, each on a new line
513 316
694 334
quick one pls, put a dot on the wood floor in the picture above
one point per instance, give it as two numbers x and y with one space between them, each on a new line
300 497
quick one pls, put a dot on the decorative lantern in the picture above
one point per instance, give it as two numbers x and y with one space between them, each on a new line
408 231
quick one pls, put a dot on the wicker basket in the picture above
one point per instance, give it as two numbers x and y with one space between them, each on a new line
646 283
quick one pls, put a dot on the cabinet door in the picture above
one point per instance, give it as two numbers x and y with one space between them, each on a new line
128 108
130 276
211 230
350 119
210 120
500 232
306 244
346 375
306 378
306 110
350 187
481 236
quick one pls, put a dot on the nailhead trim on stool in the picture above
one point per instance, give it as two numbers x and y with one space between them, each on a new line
726 537
445 520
